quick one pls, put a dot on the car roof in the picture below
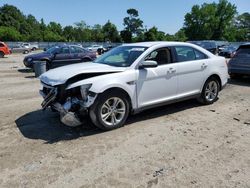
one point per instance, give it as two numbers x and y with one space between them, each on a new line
245 44
150 44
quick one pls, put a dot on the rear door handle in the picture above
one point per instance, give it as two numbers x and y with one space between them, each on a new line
204 65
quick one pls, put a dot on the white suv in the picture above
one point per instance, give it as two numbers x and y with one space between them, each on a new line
131 78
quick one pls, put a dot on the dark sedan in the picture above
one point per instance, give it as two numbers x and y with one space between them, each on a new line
228 52
240 63
60 55
208 45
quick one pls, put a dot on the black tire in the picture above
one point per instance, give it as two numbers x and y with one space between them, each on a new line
26 51
86 60
33 49
98 109
1 55
210 91
235 76
48 65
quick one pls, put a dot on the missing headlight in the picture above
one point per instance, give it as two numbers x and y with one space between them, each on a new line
84 91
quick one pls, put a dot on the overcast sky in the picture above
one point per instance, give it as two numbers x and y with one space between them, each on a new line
166 15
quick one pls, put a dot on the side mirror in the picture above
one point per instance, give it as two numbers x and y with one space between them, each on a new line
148 64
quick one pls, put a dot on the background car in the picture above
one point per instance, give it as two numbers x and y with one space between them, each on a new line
208 45
228 51
239 65
60 55
95 47
4 50
33 47
20 49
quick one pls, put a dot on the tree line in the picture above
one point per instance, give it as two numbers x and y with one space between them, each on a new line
209 21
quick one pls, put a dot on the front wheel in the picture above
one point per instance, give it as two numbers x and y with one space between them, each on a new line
110 110
210 91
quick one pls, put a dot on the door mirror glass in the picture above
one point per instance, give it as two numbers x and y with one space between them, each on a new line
148 64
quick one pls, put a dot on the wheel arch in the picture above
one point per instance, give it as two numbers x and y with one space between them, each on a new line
217 77
122 91
88 58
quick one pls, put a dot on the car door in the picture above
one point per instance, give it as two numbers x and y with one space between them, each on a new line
192 68
62 57
77 54
159 84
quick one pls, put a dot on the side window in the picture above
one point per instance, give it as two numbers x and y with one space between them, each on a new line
185 53
200 55
64 50
72 49
1 45
162 56
79 50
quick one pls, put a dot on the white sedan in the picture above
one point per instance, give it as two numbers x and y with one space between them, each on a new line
131 78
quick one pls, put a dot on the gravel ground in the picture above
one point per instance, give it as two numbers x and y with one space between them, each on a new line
179 145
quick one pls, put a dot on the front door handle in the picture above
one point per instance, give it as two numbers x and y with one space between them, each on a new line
171 70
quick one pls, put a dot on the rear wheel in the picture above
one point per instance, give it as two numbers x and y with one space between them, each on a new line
234 76
210 91
86 60
26 51
110 110
1 54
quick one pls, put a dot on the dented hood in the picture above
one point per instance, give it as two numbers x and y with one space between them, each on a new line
62 74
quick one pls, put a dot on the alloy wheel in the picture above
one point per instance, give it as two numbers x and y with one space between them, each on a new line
113 111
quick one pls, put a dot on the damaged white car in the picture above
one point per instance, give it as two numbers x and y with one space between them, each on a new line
131 78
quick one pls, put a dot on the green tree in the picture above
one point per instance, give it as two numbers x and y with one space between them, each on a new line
133 23
50 36
154 35
10 16
242 24
180 36
126 36
55 28
110 32
97 33
82 31
209 21
34 32
43 28
9 34
68 33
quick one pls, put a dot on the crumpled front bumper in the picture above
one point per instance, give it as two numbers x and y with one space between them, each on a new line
68 118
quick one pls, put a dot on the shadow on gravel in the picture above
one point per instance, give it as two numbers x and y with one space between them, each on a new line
163 110
243 81
25 70
45 125
30 77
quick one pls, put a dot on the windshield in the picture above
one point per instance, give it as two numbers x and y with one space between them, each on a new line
122 56
52 49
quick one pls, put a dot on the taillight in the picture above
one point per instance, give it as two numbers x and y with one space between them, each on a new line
233 54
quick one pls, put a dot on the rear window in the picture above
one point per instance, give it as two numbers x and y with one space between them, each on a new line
243 51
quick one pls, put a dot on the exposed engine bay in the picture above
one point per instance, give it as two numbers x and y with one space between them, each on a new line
72 104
